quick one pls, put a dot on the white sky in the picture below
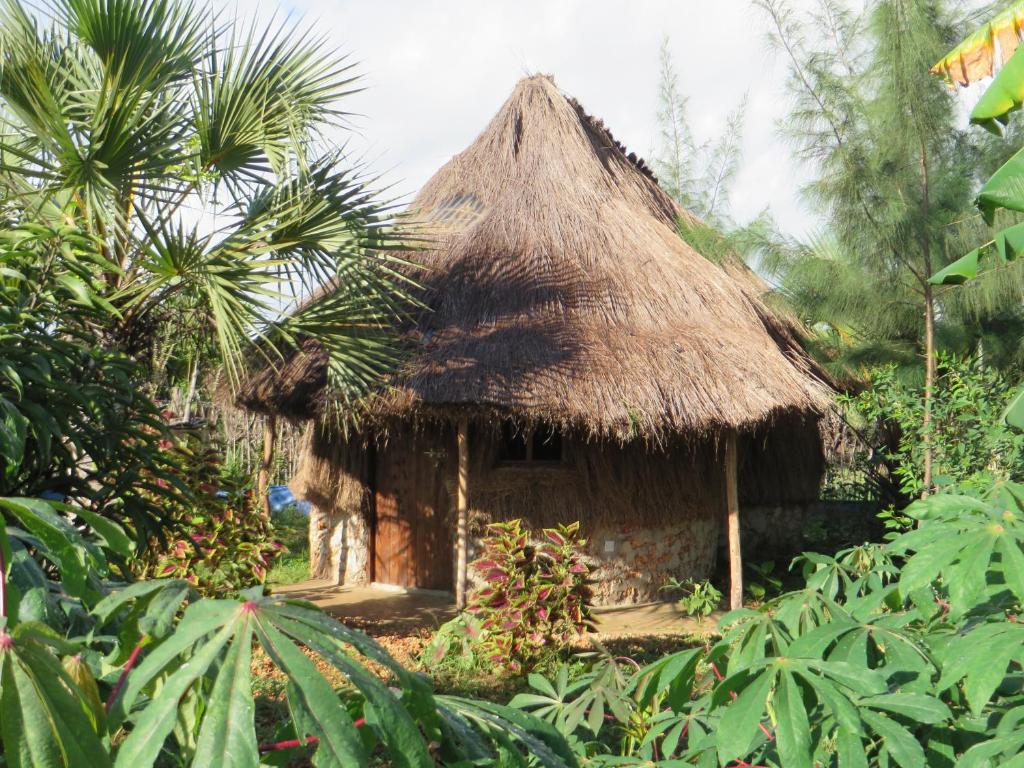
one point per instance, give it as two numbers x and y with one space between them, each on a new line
435 72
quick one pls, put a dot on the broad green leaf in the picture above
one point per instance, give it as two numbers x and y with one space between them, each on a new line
156 720
1002 96
394 725
1010 242
63 543
42 722
915 706
1004 189
850 750
739 725
1014 413
112 534
228 737
898 741
792 728
960 271
201 619
340 745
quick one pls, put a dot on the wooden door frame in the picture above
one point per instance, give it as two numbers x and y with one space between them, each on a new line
371 511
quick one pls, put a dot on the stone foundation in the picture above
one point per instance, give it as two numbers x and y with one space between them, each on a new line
631 565
339 547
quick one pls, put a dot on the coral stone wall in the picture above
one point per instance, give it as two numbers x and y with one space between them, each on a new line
631 564
648 514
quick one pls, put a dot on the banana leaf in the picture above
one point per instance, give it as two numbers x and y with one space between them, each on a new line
960 271
984 50
1002 97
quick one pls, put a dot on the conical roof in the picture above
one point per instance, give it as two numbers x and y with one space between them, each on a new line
559 288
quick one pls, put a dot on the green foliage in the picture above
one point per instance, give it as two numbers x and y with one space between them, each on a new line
220 541
151 673
760 580
534 602
698 598
696 174
971 446
454 649
192 147
292 565
893 176
72 417
904 654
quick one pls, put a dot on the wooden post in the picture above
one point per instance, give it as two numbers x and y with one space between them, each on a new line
462 508
263 481
732 502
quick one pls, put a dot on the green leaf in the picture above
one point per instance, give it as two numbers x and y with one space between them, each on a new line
407 748
111 534
960 271
915 706
340 744
792 728
228 736
201 619
157 719
42 722
63 543
1002 96
898 742
740 722
1013 416
1005 189
1010 242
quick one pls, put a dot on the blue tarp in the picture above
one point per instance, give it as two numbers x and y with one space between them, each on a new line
281 496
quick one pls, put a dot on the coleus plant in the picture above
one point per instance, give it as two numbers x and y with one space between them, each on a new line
535 598
150 672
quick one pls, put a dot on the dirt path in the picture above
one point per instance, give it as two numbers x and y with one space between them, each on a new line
389 611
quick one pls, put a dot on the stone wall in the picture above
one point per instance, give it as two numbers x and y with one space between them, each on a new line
339 546
632 564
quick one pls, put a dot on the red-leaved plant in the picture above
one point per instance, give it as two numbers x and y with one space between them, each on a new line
221 541
535 601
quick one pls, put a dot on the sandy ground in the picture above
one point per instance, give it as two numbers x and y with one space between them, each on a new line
394 611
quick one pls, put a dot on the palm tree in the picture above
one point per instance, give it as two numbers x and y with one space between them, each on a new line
197 151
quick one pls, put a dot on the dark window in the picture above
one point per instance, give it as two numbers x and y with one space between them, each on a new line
547 444
542 444
513 443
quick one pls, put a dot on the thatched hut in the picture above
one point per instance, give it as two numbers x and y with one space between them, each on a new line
576 360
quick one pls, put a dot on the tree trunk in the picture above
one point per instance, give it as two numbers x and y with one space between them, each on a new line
263 483
187 416
462 508
929 385
732 503
929 325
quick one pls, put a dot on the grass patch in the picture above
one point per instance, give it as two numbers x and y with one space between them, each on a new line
292 530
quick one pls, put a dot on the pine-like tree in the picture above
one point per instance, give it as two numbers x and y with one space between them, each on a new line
895 177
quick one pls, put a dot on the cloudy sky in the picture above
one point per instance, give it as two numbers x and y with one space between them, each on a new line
436 71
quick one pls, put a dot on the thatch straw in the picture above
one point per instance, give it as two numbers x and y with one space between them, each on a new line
559 289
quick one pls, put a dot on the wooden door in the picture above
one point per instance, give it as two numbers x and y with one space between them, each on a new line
413 535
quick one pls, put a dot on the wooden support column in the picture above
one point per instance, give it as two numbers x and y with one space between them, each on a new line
462 509
263 481
732 504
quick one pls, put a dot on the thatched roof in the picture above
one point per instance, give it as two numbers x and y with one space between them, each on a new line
559 288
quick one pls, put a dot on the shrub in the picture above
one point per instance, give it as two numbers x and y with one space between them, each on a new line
536 598
971 444
698 598
221 540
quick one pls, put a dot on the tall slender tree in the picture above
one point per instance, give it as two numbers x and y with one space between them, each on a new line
894 175
696 173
